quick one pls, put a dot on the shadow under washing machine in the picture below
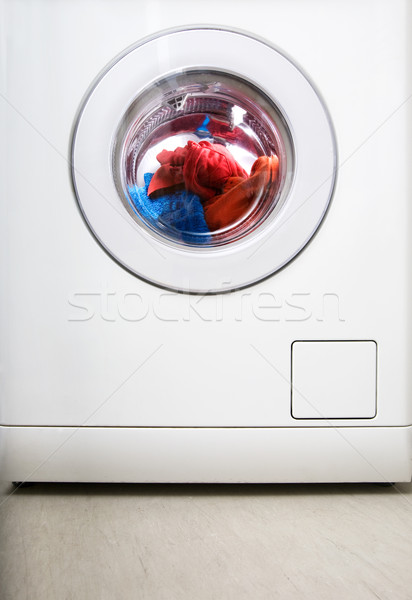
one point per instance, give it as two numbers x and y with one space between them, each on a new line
199 297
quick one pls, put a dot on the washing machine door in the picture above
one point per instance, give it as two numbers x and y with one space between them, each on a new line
203 159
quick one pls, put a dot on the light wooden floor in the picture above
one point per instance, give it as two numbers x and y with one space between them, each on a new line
98 542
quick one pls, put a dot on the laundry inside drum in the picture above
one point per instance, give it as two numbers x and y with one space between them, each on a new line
202 158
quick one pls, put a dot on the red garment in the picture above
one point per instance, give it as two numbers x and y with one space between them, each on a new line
169 176
203 168
207 168
239 194
174 157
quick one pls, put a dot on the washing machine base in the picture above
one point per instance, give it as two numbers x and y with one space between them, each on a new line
219 455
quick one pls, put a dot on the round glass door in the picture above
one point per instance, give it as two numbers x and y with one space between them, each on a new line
203 171
202 159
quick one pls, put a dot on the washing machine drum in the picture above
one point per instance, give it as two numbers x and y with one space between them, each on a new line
203 160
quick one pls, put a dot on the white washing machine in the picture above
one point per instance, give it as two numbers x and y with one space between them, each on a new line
205 241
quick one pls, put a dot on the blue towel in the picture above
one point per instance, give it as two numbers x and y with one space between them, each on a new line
181 211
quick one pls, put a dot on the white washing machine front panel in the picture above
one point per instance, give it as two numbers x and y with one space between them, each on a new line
303 200
107 377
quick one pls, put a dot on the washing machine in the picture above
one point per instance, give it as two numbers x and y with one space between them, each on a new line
205 239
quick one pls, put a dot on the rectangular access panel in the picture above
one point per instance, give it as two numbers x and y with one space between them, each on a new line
334 379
